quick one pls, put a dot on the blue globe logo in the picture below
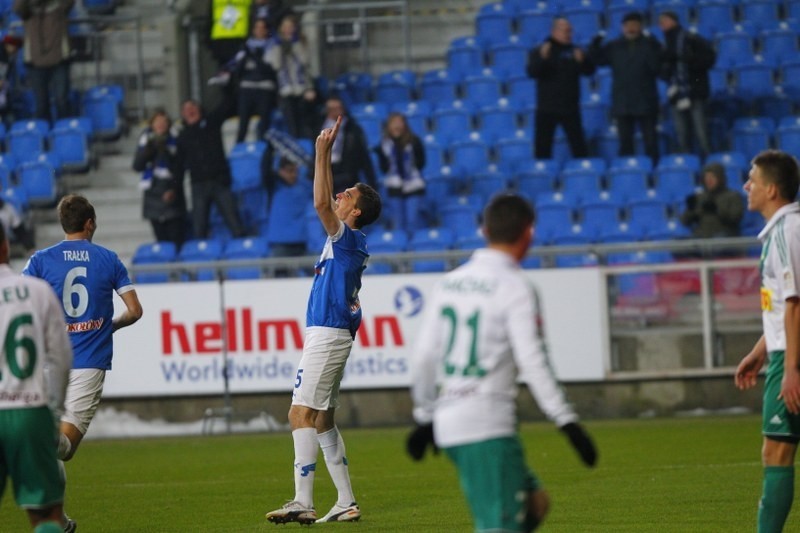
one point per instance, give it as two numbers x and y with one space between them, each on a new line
408 301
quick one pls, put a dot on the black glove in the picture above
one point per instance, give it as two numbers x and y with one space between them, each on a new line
709 206
582 442
419 440
691 202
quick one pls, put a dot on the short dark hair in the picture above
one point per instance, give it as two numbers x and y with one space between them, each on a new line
73 212
633 16
781 169
670 15
369 202
506 217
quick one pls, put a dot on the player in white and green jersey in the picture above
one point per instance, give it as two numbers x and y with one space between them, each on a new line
481 334
772 191
34 370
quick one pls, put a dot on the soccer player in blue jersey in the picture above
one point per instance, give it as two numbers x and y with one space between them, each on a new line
85 277
332 319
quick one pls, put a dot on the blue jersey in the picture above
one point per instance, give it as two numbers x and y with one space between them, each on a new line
334 300
84 277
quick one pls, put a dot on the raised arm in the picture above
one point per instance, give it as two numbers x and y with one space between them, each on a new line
323 180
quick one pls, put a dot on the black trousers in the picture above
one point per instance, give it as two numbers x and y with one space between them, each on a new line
203 194
172 230
647 123
251 102
546 124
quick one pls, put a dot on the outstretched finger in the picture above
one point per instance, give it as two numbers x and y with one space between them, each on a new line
335 128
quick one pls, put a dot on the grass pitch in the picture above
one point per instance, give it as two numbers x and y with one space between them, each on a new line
681 475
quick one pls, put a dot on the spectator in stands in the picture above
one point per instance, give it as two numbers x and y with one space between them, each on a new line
11 103
717 211
289 58
230 22
557 66
273 11
16 227
288 199
164 203
257 81
47 51
687 59
201 152
350 155
635 60
401 158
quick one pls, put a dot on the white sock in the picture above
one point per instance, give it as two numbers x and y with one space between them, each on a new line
306 449
333 449
64 446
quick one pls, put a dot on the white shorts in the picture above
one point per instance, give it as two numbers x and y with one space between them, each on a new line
83 396
321 368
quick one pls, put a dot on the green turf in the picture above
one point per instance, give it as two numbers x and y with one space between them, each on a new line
681 475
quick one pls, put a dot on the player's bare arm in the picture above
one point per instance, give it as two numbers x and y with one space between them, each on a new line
747 372
132 313
790 386
323 179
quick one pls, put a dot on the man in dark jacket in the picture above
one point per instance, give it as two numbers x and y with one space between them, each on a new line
717 211
557 65
687 60
201 152
635 60
350 154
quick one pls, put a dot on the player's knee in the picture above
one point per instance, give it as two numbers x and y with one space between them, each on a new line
778 452
302 417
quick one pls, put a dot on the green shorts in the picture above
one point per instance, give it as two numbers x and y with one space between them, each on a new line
776 420
28 441
496 482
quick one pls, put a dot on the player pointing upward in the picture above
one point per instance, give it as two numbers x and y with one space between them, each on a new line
85 277
481 332
332 319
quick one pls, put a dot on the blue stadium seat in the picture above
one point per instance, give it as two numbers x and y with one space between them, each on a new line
372 126
26 140
482 90
493 23
426 240
377 110
464 57
534 22
571 235
793 9
581 182
752 135
384 242
576 260
496 121
554 211
434 154
38 178
585 22
790 77
245 163
513 152
761 13
469 157
535 177
353 87
732 48
391 91
594 115
452 125
682 161
405 76
521 91
628 183
441 183
458 215
438 87
245 248
754 79
102 104
509 59
622 232
775 105
71 145
718 82
714 17
788 138
778 45
489 183
675 184
198 251
600 213
669 231
152 253
647 213
253 205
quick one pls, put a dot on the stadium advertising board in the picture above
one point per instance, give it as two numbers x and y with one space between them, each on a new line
177 347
